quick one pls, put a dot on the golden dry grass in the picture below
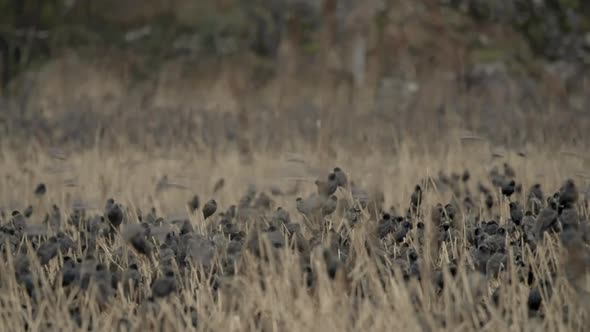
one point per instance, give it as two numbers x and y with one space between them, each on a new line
285 303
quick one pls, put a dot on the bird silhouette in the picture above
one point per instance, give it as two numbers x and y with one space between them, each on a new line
209 208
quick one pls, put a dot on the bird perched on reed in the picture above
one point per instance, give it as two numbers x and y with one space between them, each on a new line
341 178
113 213
516 213
209 208
165 285
568 194
328 187
416 200
193 204
329 205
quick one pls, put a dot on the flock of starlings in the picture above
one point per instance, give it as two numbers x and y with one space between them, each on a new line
213 242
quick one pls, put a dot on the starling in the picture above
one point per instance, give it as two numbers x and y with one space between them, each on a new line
40 190
437 215
450 211
186 228
545 220
466 176
18 221
141 244
416 199
402 231
341 178
132 276
489 201
282 216
275 238
263 201
114 213
353 215
327 188
209 208
491 227
28 211
231 211
70 271
53 219
496 178
329 206
311 206
569 216
516 213
535 198
568 194
495 264
536 192
332 263
481 256
48 250
509 171
165 285
534 300
218 185
193 204
508 188
385 227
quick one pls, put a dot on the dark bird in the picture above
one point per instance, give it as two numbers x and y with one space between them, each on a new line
282 216
508 188
311 206
402 231
534 300
529 222
385 226
141 244
496 263
568 194
218 185
545 220
333 264
193 204
535 198
329 206
28 211
70 271
209 208
536 192
509 171
437 215
113 213
40 190
186 228
18 221
416 199
569 216
165 285
341 178
450 211
481 255
489 201
132 276
48 250
466 176
516 213
327 188
263 201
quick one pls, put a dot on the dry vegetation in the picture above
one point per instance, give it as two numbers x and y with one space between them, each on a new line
284 283
152 128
